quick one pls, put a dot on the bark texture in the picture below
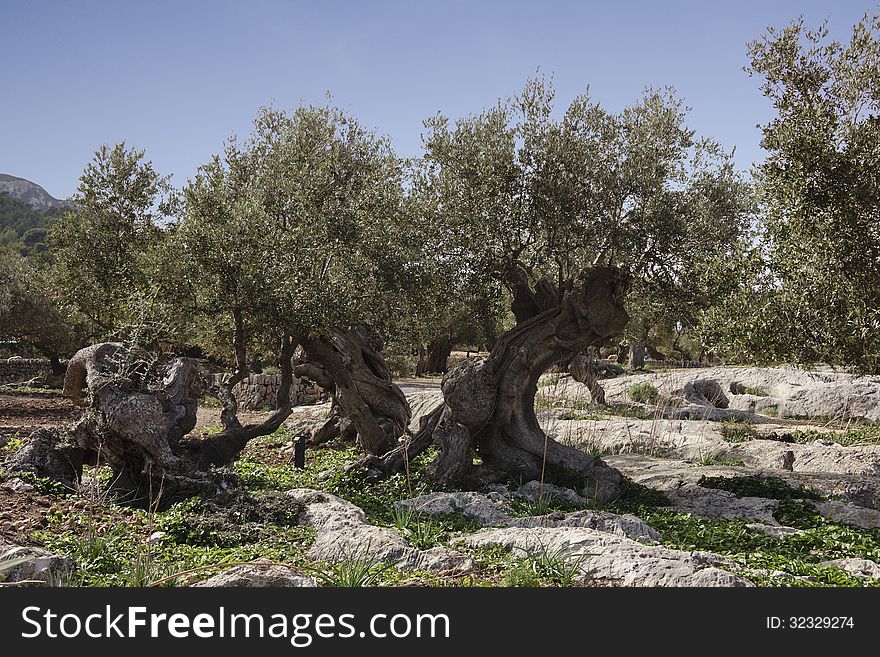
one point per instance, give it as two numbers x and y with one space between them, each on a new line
488 411
367 404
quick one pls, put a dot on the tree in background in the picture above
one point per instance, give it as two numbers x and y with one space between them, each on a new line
31 313
103 249
811 291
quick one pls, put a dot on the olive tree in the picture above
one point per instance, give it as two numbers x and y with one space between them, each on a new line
101 247
562 214
31 312
298 238
813 286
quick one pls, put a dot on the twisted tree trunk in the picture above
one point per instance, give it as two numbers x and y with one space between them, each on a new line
488 412
366 402
139 426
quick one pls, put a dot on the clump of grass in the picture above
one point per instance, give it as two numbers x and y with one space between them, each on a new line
737 432
521 575
757 391
772 488
645 393
356 570
558 566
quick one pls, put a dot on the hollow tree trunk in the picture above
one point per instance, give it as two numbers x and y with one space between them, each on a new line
367 402
139 428
488 409
439 350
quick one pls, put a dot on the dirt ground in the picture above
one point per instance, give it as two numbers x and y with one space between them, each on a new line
23 413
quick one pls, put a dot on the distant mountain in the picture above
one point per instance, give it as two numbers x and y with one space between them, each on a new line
30 193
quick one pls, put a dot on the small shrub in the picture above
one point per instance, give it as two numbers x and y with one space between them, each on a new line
644 392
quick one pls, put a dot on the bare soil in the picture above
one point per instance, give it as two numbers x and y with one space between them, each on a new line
23 413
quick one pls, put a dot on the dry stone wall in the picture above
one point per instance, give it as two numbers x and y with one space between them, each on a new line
260 391
18 370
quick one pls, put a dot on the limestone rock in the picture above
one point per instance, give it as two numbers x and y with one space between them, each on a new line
33 566
858 567
343 532
489 513
259 573
534 490
472 506
612 559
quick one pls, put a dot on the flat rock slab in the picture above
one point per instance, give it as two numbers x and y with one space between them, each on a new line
790 392
344 533
496 513
678 481
259 573
698 439
613 559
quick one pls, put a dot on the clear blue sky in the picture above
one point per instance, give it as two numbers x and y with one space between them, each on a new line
177 77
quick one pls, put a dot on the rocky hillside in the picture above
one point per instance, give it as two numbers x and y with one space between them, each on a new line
29 192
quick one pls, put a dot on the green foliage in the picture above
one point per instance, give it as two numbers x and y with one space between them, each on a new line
772 488
31 309
112 551
103 249
810 287
521 574
644 392
44 485
23 227
857 437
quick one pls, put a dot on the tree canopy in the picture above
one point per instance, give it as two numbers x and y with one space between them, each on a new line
812 290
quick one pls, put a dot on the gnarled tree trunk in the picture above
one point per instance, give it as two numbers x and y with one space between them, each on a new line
488 411
366 402
139 426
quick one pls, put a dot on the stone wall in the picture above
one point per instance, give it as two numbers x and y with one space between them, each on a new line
19 370
260 391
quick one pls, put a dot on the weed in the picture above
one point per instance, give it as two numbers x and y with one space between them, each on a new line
560 565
